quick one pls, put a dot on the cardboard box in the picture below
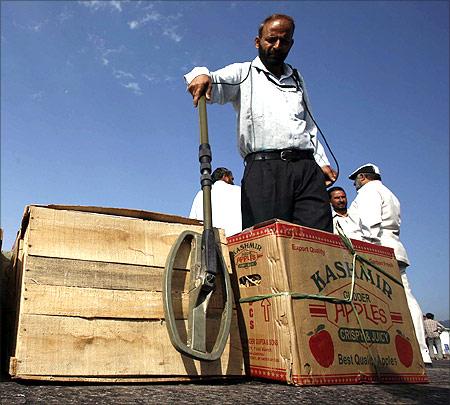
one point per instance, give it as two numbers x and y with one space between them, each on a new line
88 284
294 332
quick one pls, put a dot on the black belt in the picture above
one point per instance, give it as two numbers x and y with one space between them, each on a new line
290 155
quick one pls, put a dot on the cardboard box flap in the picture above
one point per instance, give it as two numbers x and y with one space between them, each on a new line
286 229
123 212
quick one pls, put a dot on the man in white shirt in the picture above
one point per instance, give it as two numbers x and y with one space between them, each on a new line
376 214
338 201
286 167
225 202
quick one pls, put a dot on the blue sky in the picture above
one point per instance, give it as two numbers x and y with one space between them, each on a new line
94 110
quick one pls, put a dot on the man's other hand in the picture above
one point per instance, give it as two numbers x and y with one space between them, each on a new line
330 175
200 86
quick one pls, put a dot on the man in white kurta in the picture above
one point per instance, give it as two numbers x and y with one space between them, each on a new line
375 213
225 203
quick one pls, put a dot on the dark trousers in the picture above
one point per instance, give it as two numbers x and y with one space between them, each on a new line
290 190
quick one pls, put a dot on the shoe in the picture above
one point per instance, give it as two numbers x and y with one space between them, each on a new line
428 365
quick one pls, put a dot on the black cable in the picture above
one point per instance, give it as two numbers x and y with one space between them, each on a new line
326 143
297 80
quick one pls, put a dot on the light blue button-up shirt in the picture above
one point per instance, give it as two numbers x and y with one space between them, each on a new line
270 110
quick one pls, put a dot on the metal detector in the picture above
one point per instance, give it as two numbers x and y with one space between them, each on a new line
207 263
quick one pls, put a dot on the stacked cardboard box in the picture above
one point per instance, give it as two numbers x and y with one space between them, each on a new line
296 327
88 284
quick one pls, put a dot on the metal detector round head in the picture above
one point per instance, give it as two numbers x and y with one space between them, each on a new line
202 283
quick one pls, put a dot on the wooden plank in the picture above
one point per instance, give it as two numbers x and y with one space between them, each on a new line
127 212
19 259
130 379
67 346
92 274
106 238
102 303
13 297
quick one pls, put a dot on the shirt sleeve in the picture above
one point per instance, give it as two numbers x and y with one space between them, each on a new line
197 207
226 81
319 154
369 210
197 71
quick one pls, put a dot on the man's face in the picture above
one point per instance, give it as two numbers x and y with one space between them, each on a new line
228 178
275 42
338 200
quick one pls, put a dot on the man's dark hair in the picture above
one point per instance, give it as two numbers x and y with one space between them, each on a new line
429 315
275 17
336 188
372 176
219 173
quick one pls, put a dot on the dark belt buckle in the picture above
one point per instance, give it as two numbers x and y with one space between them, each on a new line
287 155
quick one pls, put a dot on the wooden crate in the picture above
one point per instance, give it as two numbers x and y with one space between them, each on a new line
88 298
4 265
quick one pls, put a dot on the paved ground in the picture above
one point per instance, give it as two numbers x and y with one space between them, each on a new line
248 392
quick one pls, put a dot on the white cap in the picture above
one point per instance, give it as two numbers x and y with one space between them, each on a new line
366 168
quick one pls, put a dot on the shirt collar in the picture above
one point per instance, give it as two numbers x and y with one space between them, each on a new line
220 183
335 214
371 183
286 73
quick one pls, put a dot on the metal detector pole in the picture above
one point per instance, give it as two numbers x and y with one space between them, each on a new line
205 158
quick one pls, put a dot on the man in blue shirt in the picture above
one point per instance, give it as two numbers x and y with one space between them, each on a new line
286 170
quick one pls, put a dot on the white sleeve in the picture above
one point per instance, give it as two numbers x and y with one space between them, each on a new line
369 210
226 81
197 71
319 154
354 229
197 207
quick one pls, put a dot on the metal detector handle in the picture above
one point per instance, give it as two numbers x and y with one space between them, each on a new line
205 157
